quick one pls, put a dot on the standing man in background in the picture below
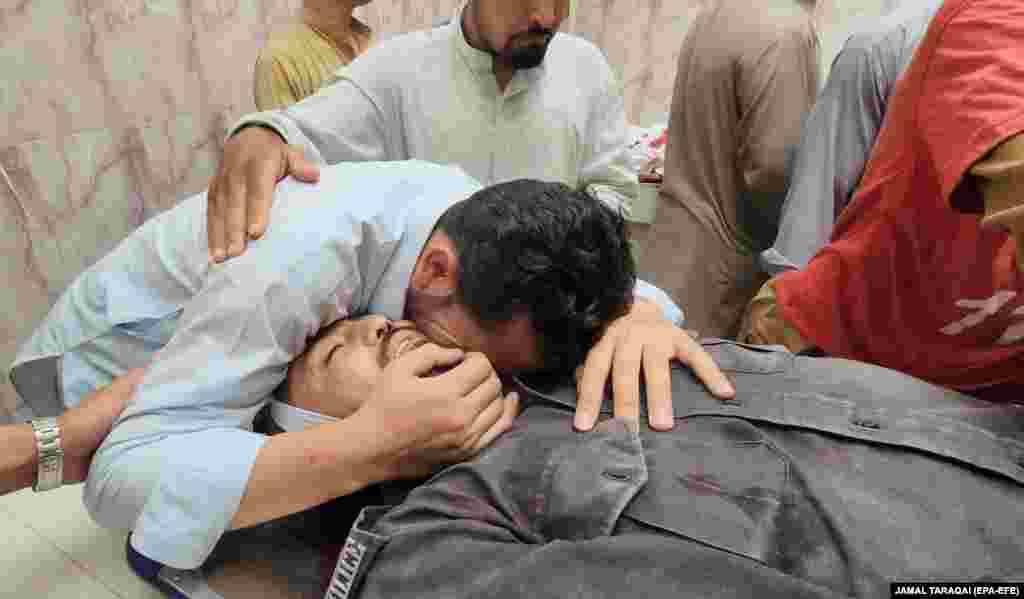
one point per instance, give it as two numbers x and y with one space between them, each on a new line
301 56
912 278
747 76
498 92
841 130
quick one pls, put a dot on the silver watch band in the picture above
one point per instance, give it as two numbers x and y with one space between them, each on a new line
50 472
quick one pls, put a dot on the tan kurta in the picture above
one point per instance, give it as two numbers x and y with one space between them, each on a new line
297 60
747 76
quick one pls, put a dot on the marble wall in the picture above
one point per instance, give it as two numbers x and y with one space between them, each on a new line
112 110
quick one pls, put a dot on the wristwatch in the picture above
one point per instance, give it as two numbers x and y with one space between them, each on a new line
50 473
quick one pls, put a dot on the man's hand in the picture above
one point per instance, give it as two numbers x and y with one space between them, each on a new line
642 340
84 427
240 194
426 422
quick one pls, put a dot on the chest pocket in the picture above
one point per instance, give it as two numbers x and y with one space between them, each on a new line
714 480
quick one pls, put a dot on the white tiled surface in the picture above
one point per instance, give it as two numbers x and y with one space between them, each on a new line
50 548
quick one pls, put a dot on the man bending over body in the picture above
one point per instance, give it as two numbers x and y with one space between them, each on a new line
525 273
824 478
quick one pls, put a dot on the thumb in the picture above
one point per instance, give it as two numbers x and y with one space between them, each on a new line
299 167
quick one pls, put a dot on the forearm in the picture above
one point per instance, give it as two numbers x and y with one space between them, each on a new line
337 124
297 471
179 493
18 460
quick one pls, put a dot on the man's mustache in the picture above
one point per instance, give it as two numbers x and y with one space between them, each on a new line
548 33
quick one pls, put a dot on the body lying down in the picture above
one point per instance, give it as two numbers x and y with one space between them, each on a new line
824 477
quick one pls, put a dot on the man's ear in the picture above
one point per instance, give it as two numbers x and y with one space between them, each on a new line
436 271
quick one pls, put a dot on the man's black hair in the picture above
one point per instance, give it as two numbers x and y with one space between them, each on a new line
543 250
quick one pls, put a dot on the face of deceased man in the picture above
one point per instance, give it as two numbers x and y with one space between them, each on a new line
339 371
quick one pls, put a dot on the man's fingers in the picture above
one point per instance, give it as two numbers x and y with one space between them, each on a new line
261 195
510 409
480 397
471 371
484 421
474 371
658 380
626 379
234 218
691 353
263 178
299 167
424 359
590 388
215 222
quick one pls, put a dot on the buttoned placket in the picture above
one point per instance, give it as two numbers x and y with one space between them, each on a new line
495 98
517 85
497 104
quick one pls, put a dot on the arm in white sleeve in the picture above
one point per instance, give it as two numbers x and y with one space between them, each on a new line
603 171
340 123
177 463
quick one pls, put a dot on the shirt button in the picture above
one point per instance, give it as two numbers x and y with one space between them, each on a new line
621 476
866 422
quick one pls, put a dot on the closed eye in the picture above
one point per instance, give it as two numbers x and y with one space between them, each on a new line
330 354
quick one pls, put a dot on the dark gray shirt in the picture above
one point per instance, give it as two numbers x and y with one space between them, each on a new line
825 477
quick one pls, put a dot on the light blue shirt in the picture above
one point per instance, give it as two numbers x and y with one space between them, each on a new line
220 337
